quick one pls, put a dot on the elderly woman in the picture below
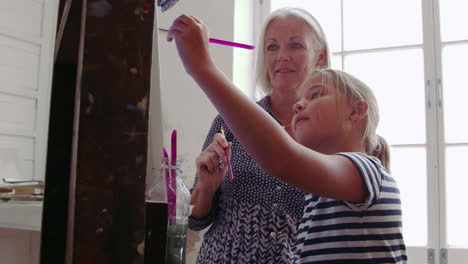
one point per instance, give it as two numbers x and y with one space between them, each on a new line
254 218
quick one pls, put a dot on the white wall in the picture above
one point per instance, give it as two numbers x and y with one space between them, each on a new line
27 34
26 41
184 106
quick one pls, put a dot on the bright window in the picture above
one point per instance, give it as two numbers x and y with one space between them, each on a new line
414 54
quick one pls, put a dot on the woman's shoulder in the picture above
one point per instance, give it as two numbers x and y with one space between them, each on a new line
265 103
219 122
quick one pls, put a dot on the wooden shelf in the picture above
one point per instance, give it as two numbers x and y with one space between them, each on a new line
21 215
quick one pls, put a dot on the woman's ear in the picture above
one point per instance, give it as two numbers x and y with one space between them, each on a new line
322 61
359 110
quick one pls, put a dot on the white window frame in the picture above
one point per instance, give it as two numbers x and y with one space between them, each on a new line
437 249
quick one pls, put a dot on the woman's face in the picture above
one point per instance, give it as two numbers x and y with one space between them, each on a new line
289 51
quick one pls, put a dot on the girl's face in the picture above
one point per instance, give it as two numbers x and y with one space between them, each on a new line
320 113
288 51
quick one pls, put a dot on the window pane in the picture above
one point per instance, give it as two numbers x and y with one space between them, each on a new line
327 12
397 79
452 16
336 62
409 170
383 23
455 63
243 60
457 180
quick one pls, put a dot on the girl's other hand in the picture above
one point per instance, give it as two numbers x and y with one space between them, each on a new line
210 173
192 41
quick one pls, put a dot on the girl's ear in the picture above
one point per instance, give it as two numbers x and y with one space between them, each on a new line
359 110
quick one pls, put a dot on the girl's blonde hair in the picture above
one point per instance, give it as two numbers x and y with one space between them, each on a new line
320 43
353 90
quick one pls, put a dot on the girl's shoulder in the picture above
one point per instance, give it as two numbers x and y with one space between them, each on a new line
363 161
377 178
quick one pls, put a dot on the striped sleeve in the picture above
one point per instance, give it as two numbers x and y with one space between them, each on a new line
372 173
337 231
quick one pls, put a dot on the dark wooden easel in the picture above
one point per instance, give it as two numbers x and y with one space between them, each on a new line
95 200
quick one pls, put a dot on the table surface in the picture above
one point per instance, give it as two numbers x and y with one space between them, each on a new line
21 215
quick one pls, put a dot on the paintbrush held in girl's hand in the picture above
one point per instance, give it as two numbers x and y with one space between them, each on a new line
231 175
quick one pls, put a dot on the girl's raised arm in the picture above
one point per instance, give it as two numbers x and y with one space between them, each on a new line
265 140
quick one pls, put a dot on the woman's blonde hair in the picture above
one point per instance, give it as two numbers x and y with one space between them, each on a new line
353 90
320 43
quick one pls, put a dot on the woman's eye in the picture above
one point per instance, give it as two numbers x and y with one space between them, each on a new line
272 47
296 45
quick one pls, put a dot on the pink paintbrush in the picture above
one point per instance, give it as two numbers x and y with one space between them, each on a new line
170 189
231 175
220 41
173 166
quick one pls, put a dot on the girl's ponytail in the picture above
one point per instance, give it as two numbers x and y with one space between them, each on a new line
382 152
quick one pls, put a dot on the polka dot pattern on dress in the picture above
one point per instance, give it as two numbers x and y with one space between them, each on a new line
253 201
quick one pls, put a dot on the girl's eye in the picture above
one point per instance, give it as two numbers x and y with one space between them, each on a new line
315 95
272 47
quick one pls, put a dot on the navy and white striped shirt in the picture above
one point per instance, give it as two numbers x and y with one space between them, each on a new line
335 231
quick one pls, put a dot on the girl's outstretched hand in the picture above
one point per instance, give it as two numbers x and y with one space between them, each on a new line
192 41
209 171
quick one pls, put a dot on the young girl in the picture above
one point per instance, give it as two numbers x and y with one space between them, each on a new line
353 212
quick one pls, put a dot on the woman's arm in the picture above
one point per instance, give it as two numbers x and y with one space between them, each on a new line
202 202
210 175
266 141
204 198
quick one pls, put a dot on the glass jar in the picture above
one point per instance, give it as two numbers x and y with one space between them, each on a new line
157 214
179 211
